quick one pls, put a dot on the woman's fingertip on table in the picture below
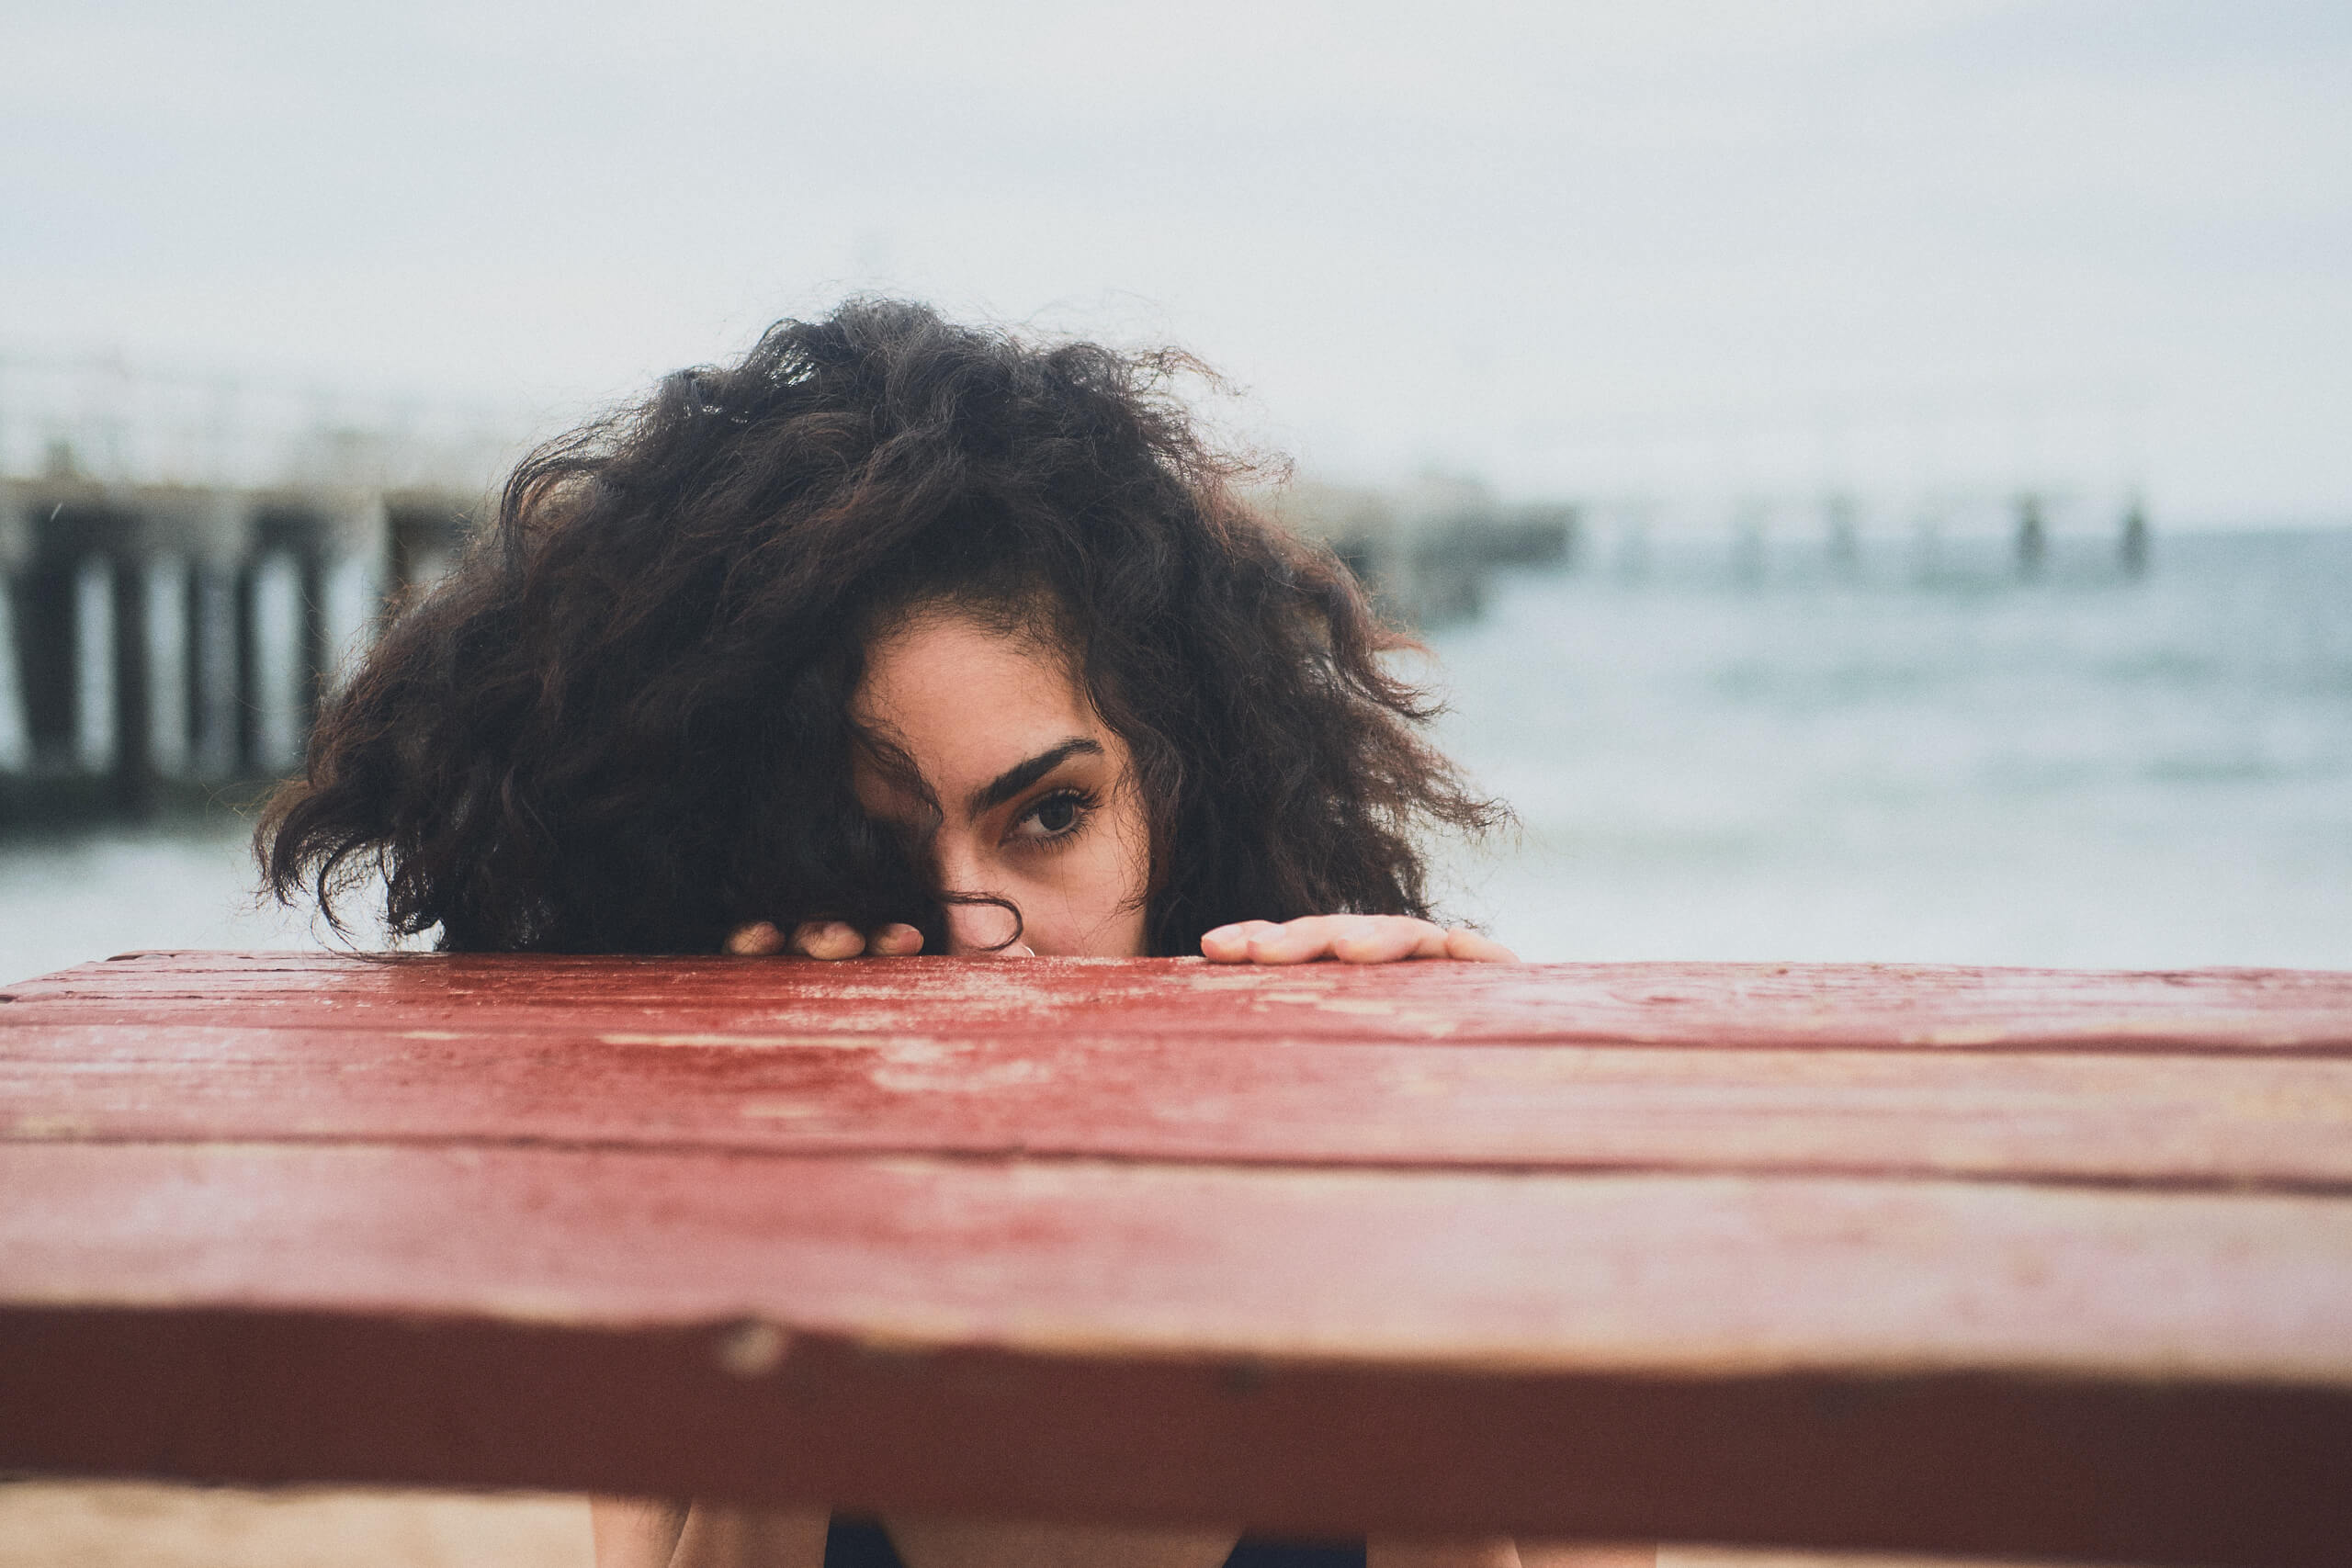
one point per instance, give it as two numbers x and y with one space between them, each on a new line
755 940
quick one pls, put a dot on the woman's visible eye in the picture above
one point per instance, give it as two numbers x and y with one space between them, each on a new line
1057 815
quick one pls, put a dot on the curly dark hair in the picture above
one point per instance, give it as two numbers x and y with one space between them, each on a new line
621 724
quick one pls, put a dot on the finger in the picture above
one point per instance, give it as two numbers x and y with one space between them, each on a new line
755 940
1301 940
827 939
1230 944
1386 939
1374 941
893 941
1478 949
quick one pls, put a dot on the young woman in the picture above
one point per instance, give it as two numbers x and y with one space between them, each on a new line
895 636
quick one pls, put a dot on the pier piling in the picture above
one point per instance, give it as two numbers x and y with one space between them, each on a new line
2033 538
165 641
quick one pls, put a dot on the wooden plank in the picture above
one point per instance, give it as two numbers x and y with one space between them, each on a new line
2234 1122
1682 1275
1899 1365
1648 1251
2041 1469
1732 1006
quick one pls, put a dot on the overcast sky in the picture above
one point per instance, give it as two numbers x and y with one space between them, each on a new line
1563 246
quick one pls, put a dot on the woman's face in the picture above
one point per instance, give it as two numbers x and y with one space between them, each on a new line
1037 795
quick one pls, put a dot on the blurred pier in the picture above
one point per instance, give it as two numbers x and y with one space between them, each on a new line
187 560
1429 549
165 641
160 642
189 563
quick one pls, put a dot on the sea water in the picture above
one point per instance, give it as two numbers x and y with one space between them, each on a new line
1741 755
1919 758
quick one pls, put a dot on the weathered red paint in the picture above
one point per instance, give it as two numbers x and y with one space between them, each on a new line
1866 1006
1681 1275
2003 1262
2234 1122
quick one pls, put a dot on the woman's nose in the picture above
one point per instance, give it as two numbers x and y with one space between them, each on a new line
974 929
983 930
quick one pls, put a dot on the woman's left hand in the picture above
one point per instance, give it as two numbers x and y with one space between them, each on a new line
1350 938
824 938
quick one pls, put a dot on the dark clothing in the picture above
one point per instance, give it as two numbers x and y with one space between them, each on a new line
863 1543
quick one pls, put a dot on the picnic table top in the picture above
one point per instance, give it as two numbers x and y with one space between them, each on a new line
2031 1262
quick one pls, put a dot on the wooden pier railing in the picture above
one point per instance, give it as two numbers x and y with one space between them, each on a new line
2016 1263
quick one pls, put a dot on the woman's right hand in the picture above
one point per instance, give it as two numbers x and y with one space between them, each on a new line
824 938
1350 938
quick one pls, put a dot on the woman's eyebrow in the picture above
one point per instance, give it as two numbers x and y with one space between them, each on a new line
1021 775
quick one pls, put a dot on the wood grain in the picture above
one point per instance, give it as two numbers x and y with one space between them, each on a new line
2228 1123
1776 1006
1686 1276
2031 1263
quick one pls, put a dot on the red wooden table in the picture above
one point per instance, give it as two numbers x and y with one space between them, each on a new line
1994 1261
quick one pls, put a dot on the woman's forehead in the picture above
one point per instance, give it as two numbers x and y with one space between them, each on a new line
956 692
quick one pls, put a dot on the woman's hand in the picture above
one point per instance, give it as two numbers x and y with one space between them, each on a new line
1350 938
824 938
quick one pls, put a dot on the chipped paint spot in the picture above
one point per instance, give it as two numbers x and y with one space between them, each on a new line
979 1080
53 1126
1973 1034
755 1041
751 1348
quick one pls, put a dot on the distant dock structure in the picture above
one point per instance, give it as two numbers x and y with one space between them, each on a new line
1427 551
184 563
169 641
187 566
166 643
162 643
